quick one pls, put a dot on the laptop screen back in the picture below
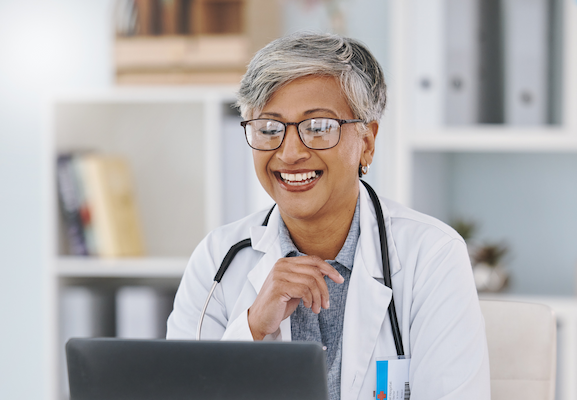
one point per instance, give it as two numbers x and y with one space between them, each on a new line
119 369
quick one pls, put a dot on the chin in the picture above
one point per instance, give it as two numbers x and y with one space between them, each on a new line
300 210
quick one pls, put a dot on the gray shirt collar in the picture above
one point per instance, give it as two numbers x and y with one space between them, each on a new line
346 255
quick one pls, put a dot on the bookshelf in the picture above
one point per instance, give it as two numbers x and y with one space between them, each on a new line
516 181
406 141
180 141
172 141
183 42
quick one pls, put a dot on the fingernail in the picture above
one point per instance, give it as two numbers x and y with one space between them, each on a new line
328 304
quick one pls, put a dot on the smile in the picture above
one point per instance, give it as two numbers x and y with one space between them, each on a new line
299 179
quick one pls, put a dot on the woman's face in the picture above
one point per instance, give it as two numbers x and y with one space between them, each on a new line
335 187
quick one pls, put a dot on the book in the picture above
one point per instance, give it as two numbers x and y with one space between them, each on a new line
171 20
84 208
70 204
113 212
147 17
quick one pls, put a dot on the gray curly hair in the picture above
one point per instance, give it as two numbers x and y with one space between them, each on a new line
304 54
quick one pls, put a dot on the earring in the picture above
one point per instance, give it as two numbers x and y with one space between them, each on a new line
365 169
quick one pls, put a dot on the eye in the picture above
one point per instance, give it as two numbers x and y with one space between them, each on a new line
270 131
319 127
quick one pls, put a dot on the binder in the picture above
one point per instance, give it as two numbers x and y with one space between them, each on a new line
427 50
525 33
141 312
491 63
462 62
85 312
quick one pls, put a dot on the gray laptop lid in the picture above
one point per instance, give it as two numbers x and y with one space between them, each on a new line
120 369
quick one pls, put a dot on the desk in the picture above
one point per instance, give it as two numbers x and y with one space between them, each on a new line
565 309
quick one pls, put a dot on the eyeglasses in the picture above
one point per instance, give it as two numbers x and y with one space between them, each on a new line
315 133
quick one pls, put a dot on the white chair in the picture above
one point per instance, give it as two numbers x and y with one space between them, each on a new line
522 340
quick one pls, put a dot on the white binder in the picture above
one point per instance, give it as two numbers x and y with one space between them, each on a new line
525 33
462 62
141 312
85 312
427 52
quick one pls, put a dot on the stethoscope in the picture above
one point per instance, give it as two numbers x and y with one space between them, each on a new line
384 254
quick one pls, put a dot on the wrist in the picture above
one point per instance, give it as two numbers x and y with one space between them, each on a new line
256 334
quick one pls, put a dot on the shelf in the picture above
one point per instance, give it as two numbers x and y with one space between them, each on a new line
89 267
181 59
494 138
182 52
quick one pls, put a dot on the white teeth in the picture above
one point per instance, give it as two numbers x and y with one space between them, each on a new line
298 179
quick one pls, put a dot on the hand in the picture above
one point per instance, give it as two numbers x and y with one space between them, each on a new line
291 279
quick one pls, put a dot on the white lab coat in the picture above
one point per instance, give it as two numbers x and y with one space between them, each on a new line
436 301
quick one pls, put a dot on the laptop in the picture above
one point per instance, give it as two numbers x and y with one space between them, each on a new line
122 369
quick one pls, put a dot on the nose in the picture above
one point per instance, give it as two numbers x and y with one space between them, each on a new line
292 149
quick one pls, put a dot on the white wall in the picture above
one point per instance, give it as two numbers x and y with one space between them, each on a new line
46 46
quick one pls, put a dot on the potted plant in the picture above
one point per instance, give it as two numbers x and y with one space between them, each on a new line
488 270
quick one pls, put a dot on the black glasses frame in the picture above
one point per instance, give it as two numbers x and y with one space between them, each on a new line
296 125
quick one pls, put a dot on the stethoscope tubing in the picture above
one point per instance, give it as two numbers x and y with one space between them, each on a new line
386 268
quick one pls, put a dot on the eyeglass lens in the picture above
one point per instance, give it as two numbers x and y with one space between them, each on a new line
266 134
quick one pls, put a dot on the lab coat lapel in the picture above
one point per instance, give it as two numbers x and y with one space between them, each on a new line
366 306
266 240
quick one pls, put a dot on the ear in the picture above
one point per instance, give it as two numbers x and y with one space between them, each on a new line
369 143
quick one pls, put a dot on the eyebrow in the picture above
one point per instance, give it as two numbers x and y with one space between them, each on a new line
308 112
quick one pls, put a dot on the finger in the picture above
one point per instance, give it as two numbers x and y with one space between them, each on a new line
300 291
316 267
323 266
313 280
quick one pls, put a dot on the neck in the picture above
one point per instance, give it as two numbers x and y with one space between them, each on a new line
323 237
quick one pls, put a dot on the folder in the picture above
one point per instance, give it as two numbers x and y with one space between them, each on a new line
462 62
525 34
85 312
141 312
491 63
427 50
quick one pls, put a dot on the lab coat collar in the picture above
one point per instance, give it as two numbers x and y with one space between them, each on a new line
266 240
263 237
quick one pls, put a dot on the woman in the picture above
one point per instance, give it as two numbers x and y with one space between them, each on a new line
311 105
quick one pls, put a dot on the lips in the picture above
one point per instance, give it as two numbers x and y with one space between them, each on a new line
298 181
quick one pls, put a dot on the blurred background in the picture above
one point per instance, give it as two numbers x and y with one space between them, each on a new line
120 149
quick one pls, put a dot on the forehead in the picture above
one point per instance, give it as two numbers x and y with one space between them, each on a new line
305 95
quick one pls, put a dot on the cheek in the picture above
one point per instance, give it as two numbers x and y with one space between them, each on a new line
260 161
350 153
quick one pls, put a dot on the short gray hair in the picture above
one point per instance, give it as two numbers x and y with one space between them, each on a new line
305 54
